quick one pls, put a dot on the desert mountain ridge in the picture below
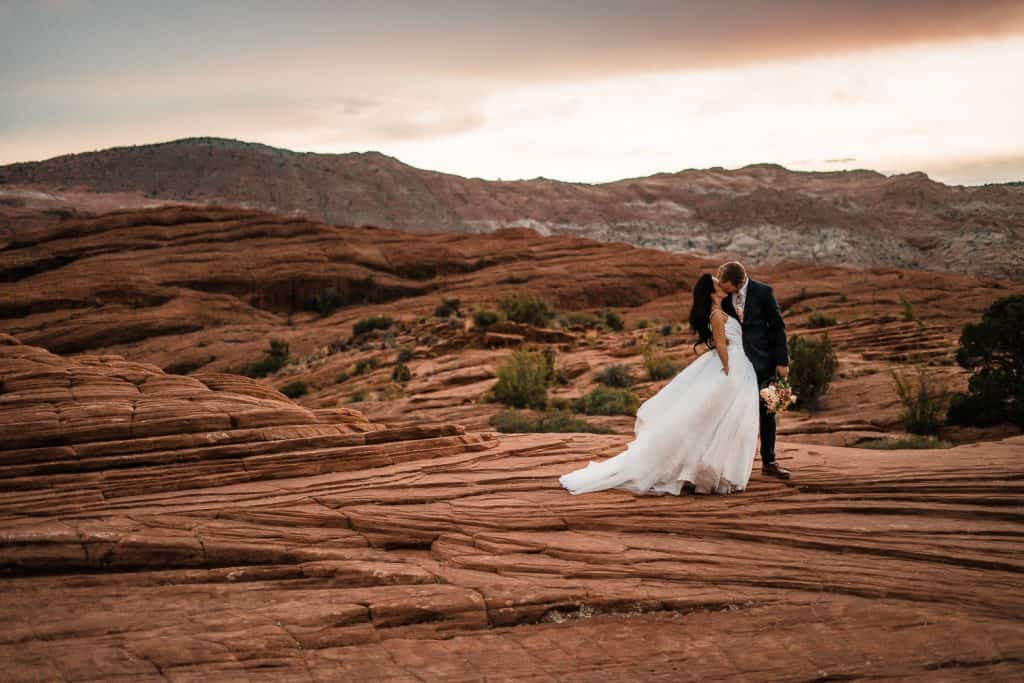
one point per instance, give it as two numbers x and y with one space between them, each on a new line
762 213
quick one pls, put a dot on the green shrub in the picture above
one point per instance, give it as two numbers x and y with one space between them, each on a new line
483 317
357 396
993 351
274 358
523 378
343 377
325 302
666 330
526 309
404 355
612 320
641 324
908 309
520 421
818 320
924 402
659 366
813 365
401 373
603 400
582 319
365 365
374 322
615 376
447 307
295 389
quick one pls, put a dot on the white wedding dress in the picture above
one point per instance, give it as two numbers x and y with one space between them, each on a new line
701 428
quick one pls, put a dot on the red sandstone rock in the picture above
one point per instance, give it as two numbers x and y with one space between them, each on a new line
305 549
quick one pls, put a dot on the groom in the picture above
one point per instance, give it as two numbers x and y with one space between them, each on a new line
764 341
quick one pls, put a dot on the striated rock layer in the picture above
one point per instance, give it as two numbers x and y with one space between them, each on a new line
205 290
156 527
761 213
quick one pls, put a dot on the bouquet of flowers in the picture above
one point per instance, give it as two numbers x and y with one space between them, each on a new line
777 395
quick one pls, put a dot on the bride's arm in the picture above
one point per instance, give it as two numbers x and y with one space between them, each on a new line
718 334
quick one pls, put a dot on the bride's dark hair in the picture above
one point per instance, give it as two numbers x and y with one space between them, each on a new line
700 313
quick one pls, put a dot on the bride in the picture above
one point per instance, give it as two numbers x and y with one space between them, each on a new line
701 428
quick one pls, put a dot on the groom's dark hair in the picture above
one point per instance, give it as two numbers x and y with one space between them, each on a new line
733 272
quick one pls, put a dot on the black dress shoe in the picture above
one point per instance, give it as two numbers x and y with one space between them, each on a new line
770 469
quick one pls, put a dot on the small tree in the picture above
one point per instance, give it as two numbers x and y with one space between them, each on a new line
274 358
813 365
993 350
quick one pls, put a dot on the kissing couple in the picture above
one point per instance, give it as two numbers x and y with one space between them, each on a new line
700 430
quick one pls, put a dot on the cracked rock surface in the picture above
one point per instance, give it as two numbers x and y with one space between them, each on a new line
215 530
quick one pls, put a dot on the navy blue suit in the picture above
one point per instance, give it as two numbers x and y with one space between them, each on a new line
764 341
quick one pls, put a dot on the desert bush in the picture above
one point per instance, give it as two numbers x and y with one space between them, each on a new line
274 358
520 421
993 351
666 330
659 366
813 365
526 309
357 396
401 373
612 320
582 319
603 400
374 322
404 355
924 401
642 324
907 308
295 389
523 378
818 320
343 377
365 365
615 376
483 317
325 301
447 307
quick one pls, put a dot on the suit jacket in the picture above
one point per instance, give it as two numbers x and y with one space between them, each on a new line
764 332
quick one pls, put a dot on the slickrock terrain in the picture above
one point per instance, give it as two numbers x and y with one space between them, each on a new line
163 527
206 289
762 213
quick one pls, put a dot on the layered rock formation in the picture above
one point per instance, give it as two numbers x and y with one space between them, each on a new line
158 527
194 289
761 213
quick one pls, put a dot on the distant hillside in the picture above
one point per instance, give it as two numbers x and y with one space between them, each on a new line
761 213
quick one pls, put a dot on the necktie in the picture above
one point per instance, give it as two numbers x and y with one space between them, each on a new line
739 305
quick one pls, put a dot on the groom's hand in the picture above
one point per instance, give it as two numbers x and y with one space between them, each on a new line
782 370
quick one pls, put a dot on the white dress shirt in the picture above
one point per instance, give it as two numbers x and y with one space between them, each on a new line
743 292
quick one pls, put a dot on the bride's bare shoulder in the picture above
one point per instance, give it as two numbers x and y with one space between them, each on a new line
719 313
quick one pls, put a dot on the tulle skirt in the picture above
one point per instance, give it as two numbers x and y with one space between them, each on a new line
700 429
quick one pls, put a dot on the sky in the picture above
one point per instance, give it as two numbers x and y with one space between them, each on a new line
577 90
